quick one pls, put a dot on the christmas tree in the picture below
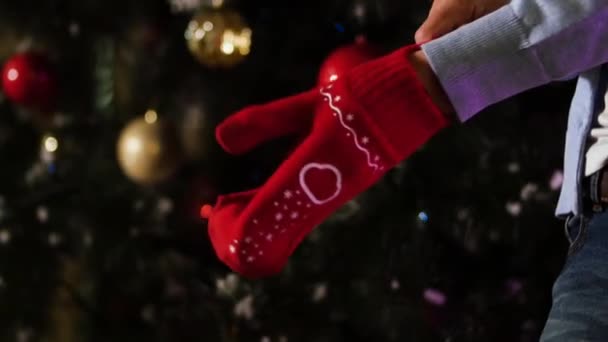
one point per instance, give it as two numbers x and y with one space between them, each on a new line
106 138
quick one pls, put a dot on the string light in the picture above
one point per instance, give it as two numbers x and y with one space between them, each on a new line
42 213
165 205
244 308
148 314
178 6
51 144
555 183
13 74
424 217
227 286
5 236
319 293
513 167
74 29
514 286
87 239
435 297
151 116
54 239
513 208
48 149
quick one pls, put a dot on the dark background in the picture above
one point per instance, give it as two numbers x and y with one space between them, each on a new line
86 254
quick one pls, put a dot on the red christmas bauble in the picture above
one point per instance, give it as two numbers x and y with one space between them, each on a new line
345 58
28 80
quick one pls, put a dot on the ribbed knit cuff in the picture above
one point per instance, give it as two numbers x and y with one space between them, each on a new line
485 61
395 102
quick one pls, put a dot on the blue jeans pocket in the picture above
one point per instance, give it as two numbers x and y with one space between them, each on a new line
576 229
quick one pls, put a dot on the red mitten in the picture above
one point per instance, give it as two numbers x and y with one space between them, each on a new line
357 129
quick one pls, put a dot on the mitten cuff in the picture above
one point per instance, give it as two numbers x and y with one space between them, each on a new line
395 102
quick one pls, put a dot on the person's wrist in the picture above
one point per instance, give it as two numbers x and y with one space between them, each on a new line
431 83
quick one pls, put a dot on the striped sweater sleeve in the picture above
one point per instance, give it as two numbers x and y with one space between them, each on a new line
523 45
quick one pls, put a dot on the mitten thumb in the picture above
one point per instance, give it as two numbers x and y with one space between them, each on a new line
257 124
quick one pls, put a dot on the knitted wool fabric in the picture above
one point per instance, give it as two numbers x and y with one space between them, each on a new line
355 130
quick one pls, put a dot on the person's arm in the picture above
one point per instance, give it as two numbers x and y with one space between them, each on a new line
522 45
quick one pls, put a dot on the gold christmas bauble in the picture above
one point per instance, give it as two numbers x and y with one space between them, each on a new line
148 150
218 37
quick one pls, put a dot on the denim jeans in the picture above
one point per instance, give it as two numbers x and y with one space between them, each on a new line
580 294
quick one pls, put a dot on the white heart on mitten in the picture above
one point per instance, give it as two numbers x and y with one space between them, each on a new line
316 166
